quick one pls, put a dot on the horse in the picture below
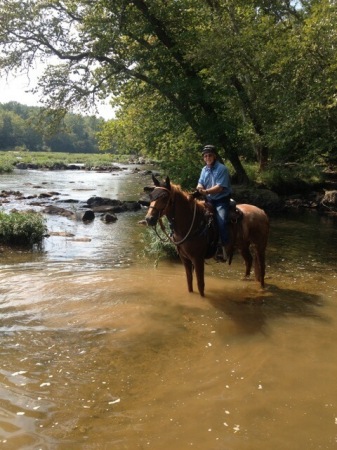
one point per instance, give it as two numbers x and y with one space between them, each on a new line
195 234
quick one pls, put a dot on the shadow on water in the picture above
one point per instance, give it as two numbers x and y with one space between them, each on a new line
252 313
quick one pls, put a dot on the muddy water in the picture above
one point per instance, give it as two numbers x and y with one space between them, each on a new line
100 349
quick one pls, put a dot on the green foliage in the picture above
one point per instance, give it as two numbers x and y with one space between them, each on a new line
24 229
288 179
184 169
161 135
52 159
158 246
31 128
262 68
7 162
115 48
256 78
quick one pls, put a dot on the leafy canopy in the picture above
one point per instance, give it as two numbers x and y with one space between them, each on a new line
254 77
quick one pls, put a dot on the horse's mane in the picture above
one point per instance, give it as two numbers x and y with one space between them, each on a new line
177 190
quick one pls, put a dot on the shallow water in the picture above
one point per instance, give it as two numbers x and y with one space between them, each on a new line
101 349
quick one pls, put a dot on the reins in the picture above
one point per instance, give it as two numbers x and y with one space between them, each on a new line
162 226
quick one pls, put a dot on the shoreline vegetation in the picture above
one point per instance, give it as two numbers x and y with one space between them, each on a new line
54 160
295 187
26 230
22 229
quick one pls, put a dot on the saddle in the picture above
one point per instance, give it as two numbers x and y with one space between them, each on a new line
235 218
235 214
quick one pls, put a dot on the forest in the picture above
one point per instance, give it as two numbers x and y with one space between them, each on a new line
26 128
256 78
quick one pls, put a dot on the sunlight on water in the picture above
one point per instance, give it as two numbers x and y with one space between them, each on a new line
101 349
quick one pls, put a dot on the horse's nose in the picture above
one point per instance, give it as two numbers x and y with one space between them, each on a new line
151 220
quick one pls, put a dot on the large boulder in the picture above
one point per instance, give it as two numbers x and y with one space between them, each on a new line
85 216
263 198
94 202
104 205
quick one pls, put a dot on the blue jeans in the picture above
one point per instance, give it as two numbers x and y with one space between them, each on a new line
221 209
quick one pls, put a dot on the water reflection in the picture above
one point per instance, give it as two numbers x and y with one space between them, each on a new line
101 349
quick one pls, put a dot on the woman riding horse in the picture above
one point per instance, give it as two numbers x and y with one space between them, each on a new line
214 183
195 236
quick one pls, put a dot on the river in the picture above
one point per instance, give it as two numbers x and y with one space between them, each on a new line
102 349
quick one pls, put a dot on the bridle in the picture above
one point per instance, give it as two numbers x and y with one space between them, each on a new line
161 211
162 226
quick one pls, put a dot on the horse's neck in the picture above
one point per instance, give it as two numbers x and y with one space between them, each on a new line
180 214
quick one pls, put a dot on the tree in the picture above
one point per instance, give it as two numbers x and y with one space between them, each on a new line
28 127
12 130
103 45
6 131
254 77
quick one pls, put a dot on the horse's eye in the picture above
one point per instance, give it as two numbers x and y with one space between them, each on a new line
155 195
158 194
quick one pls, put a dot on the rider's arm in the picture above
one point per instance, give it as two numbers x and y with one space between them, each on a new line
212 190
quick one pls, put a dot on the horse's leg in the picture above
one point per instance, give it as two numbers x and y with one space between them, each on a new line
247 256
199 267
189 273
230 252
260 264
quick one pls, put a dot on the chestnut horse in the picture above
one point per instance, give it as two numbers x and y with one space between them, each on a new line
195 233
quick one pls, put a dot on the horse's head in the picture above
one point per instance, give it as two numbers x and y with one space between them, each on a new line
160 198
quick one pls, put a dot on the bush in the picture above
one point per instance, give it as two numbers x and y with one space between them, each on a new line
24 229
287 179
158 245
6 163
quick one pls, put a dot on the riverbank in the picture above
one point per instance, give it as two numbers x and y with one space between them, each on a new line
283 188
10 160
322 201
318 198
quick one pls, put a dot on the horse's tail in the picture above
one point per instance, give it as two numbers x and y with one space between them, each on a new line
235 222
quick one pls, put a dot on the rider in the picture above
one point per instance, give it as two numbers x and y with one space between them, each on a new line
214 182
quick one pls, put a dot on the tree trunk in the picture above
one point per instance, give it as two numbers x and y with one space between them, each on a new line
261 150
242 177
262 156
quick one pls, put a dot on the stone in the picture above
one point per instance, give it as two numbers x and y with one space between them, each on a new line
330 198
109 218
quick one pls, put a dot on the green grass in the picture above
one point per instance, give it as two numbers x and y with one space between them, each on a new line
48 159
22 229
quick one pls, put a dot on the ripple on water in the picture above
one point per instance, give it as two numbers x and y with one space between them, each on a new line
101 349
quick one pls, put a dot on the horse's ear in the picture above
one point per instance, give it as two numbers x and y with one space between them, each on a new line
155 181
168 183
